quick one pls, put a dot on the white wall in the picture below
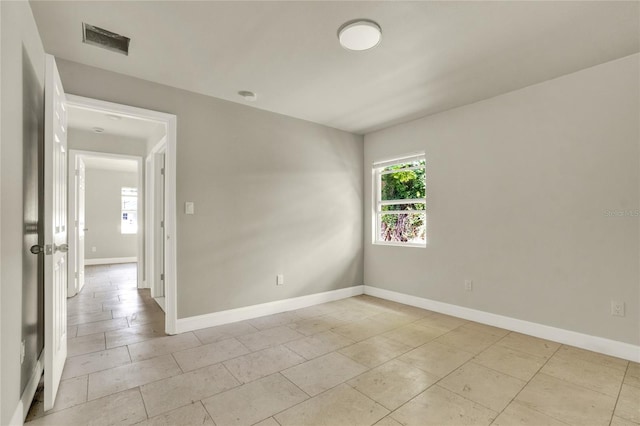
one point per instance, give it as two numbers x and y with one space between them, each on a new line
272 195
21 53
102 214
518 187
86 140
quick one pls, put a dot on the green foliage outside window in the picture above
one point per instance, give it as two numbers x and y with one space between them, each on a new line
403 185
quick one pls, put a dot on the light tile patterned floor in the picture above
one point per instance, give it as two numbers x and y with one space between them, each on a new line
358 361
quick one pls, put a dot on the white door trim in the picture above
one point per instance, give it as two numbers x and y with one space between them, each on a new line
170 122
73 242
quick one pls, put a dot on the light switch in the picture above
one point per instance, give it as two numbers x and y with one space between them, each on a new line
189 207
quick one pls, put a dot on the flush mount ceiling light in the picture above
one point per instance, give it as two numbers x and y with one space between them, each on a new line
98 129
247 95
359 34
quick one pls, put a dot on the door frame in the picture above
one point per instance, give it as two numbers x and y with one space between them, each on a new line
170 258
152 242
74 154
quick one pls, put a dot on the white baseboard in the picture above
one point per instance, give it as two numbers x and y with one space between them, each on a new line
254 311
110 260
27 396
572 338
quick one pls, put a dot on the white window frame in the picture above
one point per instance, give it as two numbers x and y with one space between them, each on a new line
123 210
377 169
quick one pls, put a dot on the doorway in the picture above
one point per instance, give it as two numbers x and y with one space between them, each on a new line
104 194
156 258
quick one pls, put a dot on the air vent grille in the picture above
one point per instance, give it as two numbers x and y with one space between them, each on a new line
100 37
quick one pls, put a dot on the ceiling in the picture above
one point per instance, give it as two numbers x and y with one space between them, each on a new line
433 56
106 163
86 119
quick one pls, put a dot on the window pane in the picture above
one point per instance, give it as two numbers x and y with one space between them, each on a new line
403 228
129 224
129 203
402 207
404 165
133 192
403 184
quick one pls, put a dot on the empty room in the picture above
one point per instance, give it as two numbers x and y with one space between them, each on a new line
288 213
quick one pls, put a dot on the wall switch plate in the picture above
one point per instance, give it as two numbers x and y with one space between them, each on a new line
617 308
280 279
468 285
189 207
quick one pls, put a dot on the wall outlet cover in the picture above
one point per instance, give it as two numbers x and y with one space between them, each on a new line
617 308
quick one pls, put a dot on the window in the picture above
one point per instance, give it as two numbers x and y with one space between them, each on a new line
129 218
400 201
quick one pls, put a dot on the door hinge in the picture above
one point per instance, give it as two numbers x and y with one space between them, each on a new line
161 277
162 171
162 224
76 275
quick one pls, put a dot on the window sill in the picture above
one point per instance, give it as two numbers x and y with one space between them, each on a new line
413 245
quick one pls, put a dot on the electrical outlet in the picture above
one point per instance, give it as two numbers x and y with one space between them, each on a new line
22 351
617 308
280 279
468 285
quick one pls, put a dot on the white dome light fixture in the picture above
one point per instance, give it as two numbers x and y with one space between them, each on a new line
359 34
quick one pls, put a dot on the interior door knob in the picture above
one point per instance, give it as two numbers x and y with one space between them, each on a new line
36 249
62 247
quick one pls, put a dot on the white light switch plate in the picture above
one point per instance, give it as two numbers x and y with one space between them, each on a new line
189 207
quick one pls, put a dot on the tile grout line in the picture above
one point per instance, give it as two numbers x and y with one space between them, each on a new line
527 384
613 412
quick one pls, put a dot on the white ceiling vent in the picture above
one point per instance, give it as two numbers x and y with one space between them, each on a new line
100 37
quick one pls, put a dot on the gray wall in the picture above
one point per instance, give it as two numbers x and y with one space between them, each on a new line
517 192
102 214
87 140
272 195
22 58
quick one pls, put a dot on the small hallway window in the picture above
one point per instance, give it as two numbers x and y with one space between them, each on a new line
129 218
400 202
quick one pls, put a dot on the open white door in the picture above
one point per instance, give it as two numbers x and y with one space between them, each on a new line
81 225
158 229
55 233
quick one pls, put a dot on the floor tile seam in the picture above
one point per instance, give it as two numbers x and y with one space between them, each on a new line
208 365
376 402
589 362
629 384
93 372
502 372
435 384
391 410
133 387
579 385
91 352
144 404
522 351
93 322
613 412
527 384
438 383
314 396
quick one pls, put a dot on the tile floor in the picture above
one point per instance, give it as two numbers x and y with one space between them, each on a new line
358 361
